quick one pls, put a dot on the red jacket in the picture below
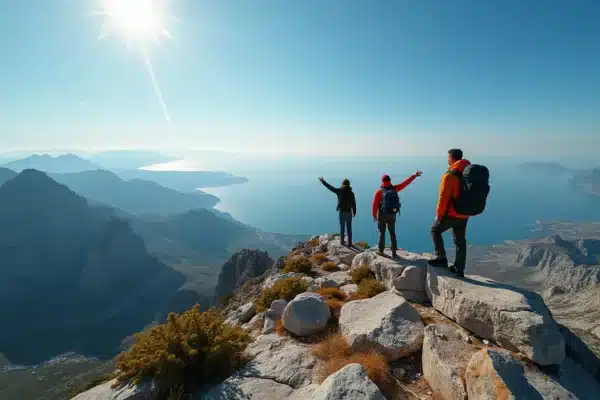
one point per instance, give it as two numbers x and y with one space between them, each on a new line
379 192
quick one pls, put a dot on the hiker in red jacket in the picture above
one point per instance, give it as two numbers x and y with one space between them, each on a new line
386 204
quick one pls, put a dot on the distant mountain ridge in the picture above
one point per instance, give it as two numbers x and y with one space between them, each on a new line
65 163
134 196
73 268
70 268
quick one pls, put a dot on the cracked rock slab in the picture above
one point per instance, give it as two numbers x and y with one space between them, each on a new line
243 388
445 359
516 319
281 360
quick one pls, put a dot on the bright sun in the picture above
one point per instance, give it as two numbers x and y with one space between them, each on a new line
136 20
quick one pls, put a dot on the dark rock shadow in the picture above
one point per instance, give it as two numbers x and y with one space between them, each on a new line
580 353
513 374
230 389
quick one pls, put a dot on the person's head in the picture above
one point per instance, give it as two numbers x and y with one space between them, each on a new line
346 182
386 178
454 155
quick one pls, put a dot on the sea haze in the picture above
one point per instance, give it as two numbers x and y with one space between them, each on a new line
285 196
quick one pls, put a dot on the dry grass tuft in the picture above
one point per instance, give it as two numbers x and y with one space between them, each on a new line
361 273
318 258
332 293
336 354
368 288
329 266
286 289
314 242
299 264
364 245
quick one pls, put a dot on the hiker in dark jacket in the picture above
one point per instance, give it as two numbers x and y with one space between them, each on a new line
386 204
346 207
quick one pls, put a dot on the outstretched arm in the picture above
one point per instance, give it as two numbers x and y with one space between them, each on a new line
328 186
408 181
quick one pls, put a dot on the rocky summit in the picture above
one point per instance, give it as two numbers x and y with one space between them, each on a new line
333 323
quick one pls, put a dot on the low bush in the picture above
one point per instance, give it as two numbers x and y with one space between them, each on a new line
364 245
329 266
360 273
314 242
335 306
299 264
335 354
286 289
318 258
368 288
188 351
332 293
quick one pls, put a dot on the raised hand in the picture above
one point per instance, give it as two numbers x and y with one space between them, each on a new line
321 179
418 173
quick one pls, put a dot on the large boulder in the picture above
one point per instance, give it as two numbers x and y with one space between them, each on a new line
411 283
278 306
445 358
106 391
349 383
385 269
341 278
386 322
496 374
306 315
340 254
255 323
325 283
246 312
269 322
516 319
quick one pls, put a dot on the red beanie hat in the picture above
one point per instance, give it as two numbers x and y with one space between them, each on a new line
386 178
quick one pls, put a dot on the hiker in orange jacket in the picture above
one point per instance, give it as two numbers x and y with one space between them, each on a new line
446 216
386 204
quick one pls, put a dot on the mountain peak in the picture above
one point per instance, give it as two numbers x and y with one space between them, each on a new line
63 163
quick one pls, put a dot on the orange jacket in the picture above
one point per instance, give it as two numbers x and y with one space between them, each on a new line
379 192
450 189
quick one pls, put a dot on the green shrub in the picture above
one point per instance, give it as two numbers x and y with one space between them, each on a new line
188 351
361 273
298 264
329 266
286 289
368 288
318 258
364 245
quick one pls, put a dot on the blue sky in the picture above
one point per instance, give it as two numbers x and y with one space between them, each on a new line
306 77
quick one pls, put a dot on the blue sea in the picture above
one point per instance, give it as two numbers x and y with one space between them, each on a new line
285 196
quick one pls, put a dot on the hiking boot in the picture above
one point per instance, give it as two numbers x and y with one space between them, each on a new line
350 244
439 262
394 254
380 252
457 271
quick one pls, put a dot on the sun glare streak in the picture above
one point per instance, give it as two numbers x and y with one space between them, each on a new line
156 88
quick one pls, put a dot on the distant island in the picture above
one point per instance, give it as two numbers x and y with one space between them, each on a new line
547 167
588 181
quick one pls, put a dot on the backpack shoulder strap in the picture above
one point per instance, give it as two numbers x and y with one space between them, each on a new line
454 172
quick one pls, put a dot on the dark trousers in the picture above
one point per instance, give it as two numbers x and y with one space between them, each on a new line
346 225
387 221
459 230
